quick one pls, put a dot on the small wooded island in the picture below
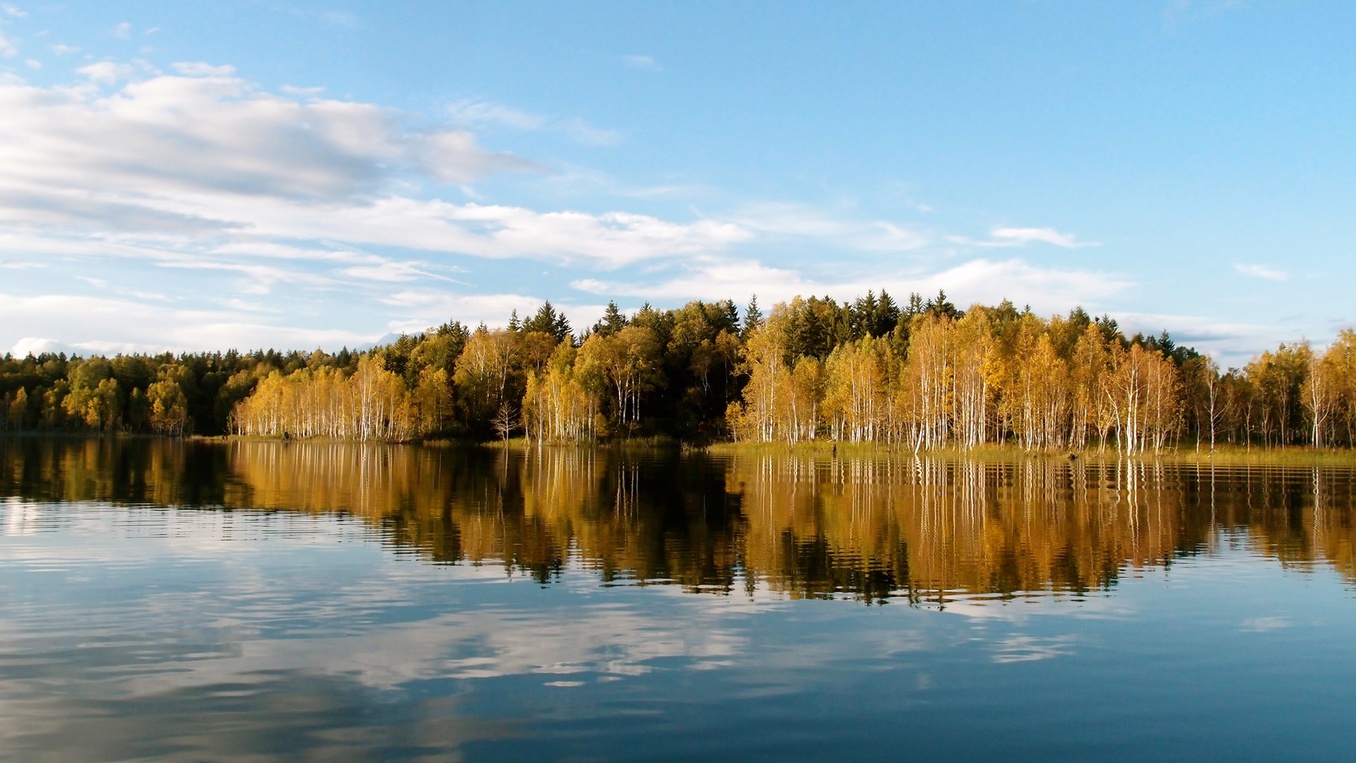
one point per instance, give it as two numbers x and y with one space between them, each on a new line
924 376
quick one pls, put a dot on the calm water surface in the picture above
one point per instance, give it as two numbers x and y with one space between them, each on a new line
251 601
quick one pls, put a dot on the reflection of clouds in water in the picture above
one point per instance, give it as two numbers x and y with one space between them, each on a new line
475 645
606 640
257 717
1264 624
1018 610
218 642
1032 648
327 694
253 618
188 533
182 633
760 597
20 517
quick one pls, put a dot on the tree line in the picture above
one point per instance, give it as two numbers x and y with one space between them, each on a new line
921 375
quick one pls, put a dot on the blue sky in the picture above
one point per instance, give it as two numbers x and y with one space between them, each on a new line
194 176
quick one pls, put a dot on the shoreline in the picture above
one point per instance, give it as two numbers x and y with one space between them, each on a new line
1290 455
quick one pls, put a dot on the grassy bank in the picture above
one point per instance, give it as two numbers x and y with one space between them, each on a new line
629 443
1187 453
1223 455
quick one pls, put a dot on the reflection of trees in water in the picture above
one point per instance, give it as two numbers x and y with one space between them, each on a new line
1297 516
925 528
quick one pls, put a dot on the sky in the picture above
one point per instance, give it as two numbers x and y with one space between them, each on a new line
203 176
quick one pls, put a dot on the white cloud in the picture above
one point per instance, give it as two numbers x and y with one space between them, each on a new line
582 132
1023 236
14 12
197 177
1230 343
575 181
640 62
1188 329
223 310
982 281
1261 271
430 307
202 69
308 92
841 227
607 240
392 272
7 48
166 148
62 50
479 114
1047 289
483 114
105 72
133 325
34 345
454 156
200 158
711 279
122 31
253 278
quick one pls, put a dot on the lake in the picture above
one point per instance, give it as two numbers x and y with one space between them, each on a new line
167 600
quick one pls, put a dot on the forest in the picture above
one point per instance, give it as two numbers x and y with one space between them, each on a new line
923 375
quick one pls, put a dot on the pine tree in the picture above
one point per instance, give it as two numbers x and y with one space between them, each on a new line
753 318
611 322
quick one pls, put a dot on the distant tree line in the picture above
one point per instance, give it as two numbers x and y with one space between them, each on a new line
921 375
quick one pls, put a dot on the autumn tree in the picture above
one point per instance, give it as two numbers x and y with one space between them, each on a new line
929 383
757 416
169 407
1319 395
858 378
484 370
1204 389
1341 360
94 398
628 363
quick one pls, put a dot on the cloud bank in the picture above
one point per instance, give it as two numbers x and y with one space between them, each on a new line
188 208
202 153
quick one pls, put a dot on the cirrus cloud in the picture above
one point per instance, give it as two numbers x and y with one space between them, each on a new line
483 114
1261 271
1022 236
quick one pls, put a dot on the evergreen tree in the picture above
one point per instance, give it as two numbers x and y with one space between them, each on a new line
753 318
548 321
611 322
